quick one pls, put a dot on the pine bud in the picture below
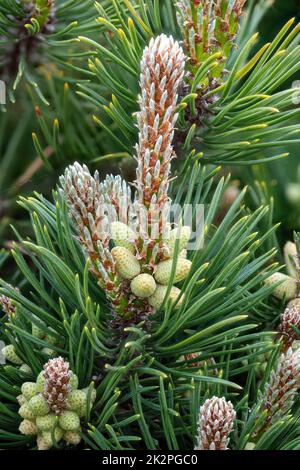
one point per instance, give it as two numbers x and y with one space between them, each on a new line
83 409
86 200
290 318
208 27
216 419
156 300
287 290
183 233
122 235
293 193
27 428
143 285
69 421
93 394
10 354
291 259
164 268
57 384
127 265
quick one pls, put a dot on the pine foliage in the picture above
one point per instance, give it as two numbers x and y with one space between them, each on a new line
116 341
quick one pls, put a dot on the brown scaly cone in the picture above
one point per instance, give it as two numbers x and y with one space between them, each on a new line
57 384
7 305
290 318
87 207
216 420
280 391
162 72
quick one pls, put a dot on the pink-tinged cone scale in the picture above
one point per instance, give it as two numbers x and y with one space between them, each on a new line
57 384
216 420
162 71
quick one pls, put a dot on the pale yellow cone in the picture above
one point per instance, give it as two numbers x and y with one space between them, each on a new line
287 290
122 235
164 268
72 437
294 303
127 265
10 354
27 428
185 234
143 285
157 298
47 436
290 258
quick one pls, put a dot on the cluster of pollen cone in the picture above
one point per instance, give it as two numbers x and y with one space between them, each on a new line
53 406
136 268
152 286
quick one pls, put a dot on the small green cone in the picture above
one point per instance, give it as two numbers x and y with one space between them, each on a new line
40 382
74 381
122 235
47 436
156 300
291 259
10 354
38 405
46 423
76 399
26 413
164 269
69 421
29 390
25 368
184 233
